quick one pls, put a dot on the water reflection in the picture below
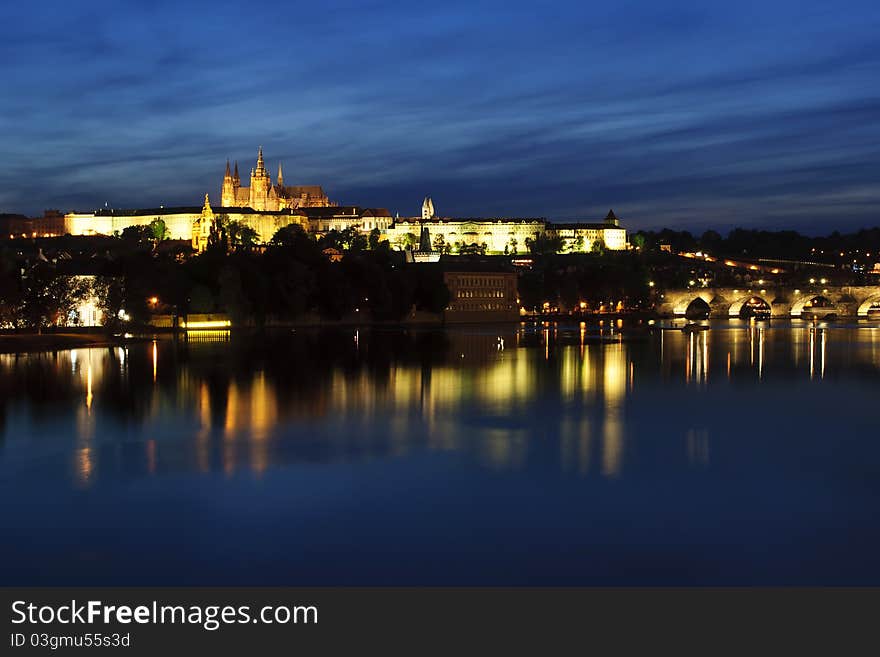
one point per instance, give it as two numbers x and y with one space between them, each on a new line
499 396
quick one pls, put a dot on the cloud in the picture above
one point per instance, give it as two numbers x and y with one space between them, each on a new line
708 115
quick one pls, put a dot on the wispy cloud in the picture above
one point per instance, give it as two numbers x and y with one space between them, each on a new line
682 114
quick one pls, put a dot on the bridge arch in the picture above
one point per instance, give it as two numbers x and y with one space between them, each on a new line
802 302
698 309
748 300
682 304
869 304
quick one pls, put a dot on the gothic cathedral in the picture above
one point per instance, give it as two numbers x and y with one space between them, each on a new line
263 195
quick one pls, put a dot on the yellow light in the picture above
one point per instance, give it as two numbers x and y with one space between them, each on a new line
823 281
812 280
760 281
207 324
154 301
650 283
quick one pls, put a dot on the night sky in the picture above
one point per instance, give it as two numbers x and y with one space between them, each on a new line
684 114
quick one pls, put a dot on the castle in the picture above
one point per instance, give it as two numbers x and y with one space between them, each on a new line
266 207
263 195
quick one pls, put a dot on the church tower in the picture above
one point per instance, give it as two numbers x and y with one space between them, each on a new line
261 183
280 176
427 208
227 193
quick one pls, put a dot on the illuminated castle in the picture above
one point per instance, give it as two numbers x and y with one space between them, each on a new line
263 195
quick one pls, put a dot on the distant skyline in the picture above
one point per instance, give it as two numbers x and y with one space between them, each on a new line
689 115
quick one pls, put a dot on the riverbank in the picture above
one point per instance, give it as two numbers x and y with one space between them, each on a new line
19 343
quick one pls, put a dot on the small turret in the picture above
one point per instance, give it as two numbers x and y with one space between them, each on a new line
612 219
280 176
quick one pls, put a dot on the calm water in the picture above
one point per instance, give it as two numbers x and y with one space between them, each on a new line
744 454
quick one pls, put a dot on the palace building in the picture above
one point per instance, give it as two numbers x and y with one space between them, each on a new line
504 235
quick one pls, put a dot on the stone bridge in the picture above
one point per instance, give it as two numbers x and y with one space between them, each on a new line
812 300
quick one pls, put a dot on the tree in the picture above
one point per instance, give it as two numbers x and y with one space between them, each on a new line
349 239
598 247
710 240
49 298
218 235
374 238
232 294
407 241
473 249
158 229
109 291
288 235
138 234
544 244
638 240
10 289
241 236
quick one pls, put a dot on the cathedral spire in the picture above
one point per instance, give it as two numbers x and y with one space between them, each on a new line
260 164
228 175
280 176
235 175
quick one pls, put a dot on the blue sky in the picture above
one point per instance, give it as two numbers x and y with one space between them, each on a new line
682 114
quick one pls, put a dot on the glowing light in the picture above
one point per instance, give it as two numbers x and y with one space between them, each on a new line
89 387
213 324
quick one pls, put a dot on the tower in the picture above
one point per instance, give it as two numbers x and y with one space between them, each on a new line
261 184
227 192
427 208
280 176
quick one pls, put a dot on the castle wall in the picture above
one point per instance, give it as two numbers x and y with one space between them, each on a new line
178 224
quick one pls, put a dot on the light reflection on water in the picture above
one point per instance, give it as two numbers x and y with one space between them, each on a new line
639 405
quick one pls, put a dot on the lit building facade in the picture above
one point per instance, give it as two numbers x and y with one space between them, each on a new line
481 296
505 235
499 235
